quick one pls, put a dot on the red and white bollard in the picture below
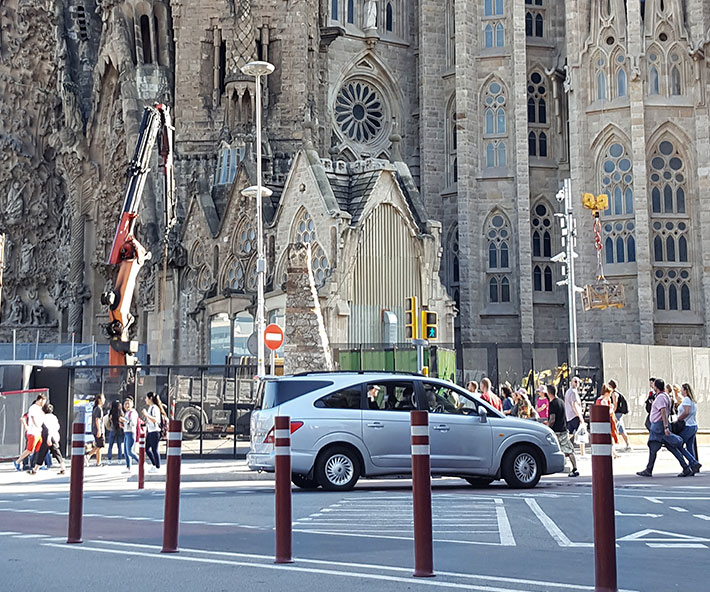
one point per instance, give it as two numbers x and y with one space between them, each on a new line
282 452
603 500
76 487
421 492
172 408
141 455
171 519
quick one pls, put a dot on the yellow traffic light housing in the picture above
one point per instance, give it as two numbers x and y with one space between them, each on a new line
430 325
411 318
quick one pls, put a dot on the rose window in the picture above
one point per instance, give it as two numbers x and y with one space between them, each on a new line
359 111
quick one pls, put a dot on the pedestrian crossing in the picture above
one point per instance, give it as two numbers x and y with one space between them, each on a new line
455 519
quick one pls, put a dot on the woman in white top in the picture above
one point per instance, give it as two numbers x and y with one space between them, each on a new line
152 416
688 412
129 424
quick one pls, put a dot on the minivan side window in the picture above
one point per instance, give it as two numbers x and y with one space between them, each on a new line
441 399
276 392
349 398
391 396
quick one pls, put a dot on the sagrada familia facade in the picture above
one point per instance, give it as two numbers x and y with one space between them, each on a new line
417 146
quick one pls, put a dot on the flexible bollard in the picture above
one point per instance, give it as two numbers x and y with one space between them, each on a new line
76 487
141 455
171 519
421 493
282 452
603 500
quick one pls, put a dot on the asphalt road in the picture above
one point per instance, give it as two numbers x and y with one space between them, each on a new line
493 539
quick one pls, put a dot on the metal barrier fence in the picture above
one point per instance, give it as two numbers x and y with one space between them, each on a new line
214 403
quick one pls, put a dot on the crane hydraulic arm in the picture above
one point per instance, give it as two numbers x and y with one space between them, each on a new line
126 251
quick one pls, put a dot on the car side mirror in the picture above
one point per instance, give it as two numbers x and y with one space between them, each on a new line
483 414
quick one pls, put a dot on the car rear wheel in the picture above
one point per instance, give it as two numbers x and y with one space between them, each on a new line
303 482
479 481
337 469
522 468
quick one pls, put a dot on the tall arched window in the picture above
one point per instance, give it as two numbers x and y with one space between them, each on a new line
534 18
537 115
451 143
494 125
452 268
493 7
500 35
542 227
670 227
653 57
618 222
351 12
488 36
334 9
145 39
498 247
389 18
621 79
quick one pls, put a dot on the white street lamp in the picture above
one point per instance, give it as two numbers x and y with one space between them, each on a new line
259 69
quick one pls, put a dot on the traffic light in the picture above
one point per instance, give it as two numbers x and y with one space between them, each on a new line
430 325
411 314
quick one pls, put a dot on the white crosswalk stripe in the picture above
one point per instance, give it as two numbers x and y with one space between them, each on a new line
455 519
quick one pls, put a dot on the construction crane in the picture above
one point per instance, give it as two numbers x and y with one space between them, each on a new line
126 252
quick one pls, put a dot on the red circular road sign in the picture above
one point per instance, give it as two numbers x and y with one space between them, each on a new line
273 336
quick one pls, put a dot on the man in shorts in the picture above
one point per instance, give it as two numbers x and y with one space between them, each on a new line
573 409
97 428
558 424
33 429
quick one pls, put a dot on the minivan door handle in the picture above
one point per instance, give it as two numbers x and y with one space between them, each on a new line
441 428
375 424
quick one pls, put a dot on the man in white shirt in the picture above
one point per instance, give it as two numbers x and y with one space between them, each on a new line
573 409
33 429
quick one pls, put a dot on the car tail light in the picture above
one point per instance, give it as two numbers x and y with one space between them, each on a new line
295 425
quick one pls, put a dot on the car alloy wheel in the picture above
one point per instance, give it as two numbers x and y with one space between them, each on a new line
339 469
525 467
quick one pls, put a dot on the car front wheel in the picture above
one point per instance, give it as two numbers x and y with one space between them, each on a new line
337 469
522 467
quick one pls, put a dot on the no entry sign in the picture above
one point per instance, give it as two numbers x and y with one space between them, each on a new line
273 336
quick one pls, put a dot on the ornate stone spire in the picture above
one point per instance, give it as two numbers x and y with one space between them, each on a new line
241 48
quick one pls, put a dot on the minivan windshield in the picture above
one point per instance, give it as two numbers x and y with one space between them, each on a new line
276 392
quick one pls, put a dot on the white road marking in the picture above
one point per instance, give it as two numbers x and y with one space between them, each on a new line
8 533
654 500
30 536
554 531
676 545
642 536
506 533
701 516
677 509
617 513
545 585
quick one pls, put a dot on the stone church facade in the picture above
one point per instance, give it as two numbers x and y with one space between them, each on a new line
417 146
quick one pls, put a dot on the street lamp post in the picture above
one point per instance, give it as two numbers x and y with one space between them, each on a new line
259 69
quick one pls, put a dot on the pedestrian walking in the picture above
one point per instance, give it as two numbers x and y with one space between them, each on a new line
649 403
661 435
541 403
507 402
115 430
50 441
153 415
621 408
605 399
525 408
97 429
688 414
574 413
489 396
129 424
558 424
33 430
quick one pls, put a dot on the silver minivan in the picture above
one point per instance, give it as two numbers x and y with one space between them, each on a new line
347 425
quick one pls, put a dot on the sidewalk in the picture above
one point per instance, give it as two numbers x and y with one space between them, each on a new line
221 471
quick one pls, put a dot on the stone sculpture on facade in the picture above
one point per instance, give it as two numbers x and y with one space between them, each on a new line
15 210
38 314
18 312
370 15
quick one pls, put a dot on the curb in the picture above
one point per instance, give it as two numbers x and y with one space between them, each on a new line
195 478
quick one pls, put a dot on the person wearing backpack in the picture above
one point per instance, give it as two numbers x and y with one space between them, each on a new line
621 408
154 419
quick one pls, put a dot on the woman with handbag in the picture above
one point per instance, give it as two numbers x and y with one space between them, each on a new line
687 425
661 435
605 399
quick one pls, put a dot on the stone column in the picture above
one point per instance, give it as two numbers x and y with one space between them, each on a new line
303 350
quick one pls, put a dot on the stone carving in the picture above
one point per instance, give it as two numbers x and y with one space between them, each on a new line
27 261
15 210
370 14
38 314
18 312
